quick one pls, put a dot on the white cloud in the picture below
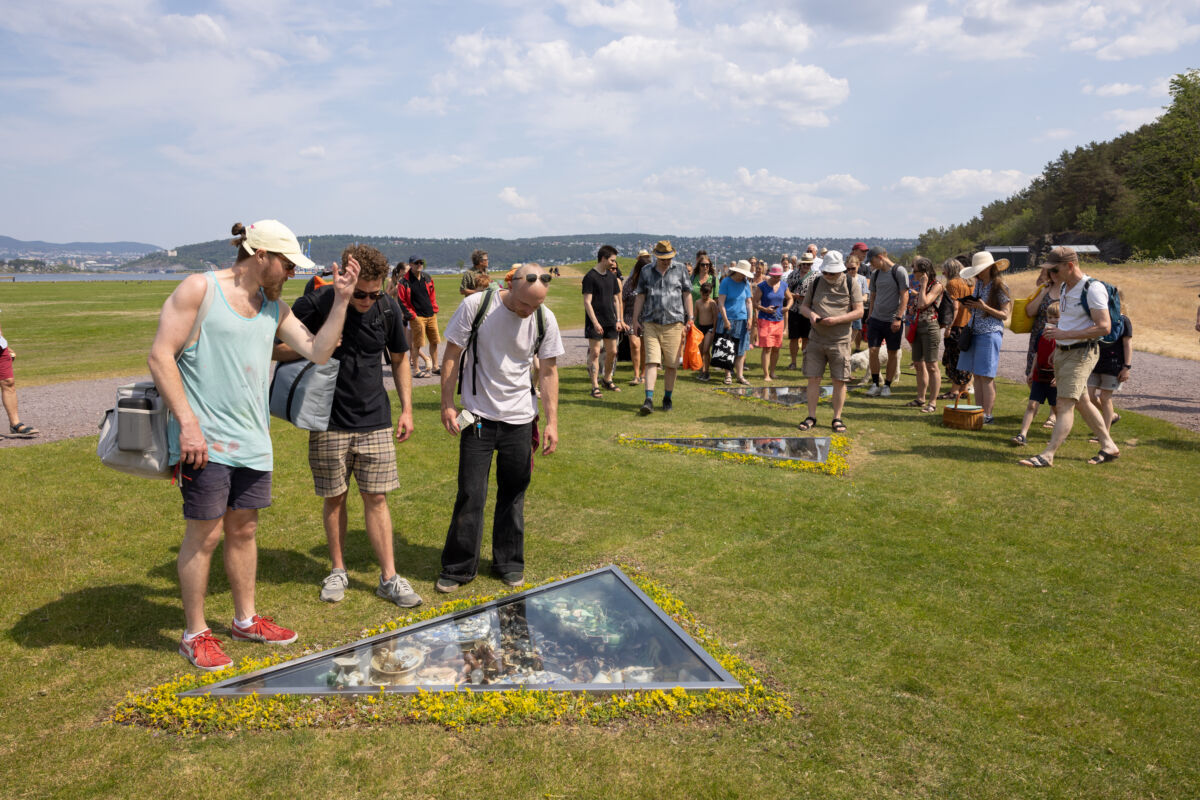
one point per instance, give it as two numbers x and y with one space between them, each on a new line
315 151
1053 134
1083 43
800 92
1130 119
1160 87
1113 89
510 196
426 106
621 15
1154 34
526 220
966 183
767 32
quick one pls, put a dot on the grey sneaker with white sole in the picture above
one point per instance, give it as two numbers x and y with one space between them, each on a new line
333 588
399 591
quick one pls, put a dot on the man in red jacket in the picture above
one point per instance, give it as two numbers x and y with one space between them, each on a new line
419 297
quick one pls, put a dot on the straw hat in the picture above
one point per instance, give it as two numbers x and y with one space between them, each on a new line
980 263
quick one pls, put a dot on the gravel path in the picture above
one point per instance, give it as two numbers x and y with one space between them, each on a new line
1167 388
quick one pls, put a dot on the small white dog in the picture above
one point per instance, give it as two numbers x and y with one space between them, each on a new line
860 362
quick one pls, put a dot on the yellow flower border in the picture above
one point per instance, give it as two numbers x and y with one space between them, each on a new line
162 707
835 464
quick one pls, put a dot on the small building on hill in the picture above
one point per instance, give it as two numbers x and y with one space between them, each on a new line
1018 257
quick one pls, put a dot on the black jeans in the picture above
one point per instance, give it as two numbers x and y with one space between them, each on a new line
514 447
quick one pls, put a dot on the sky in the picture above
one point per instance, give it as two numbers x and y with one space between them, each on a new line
165 122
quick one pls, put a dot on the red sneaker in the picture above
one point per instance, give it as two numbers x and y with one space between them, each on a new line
263 629
204 651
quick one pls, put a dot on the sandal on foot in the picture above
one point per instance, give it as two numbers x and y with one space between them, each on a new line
22 429
914 404
838 426
436 371
596 391
808 423
1103 458
612 387
743 381
929 408
1019 440
1048 424
422 373
1035 461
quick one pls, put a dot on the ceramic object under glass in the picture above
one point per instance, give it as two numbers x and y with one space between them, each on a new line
786 448
593 632
781 395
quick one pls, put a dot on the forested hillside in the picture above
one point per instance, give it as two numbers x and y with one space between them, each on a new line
1136 195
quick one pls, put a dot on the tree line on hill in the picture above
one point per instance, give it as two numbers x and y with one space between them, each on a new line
1137 195
446 254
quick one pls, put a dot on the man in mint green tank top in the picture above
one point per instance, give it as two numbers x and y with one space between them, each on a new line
215 384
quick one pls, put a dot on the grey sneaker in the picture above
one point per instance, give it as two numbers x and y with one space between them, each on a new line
874 390
886 391
333 588
398 591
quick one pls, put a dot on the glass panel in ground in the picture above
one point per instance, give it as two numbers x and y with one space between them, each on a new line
796 448
781 395
592 631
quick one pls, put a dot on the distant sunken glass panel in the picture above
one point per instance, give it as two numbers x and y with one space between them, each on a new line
595 632
783 395
796 448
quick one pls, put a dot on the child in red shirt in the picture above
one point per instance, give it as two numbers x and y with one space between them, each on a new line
1042 388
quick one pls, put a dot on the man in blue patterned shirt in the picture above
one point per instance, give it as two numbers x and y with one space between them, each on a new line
661 314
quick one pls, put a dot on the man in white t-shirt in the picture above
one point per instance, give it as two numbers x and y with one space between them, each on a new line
500 415
1076 354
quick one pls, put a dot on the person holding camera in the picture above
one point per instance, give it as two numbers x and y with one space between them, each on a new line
492 340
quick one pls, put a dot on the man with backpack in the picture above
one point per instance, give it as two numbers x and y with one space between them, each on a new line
1087 310
889 298
491 342
416 292
832 302
359 439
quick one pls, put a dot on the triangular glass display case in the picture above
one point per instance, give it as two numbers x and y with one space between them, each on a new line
779 395
594 632
783 448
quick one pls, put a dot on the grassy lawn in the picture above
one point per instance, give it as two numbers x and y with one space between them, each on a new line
946 623
75 329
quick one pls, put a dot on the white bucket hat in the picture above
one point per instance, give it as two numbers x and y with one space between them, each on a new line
743 268
832 262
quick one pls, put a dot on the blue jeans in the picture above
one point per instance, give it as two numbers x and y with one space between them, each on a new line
514 461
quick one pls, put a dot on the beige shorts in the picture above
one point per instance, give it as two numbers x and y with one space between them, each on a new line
834 354
662 341
424 328
1072 368
334 456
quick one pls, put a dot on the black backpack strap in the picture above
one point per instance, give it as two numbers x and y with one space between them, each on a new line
484 305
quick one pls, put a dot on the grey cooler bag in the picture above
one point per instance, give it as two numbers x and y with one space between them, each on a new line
302 393
133 436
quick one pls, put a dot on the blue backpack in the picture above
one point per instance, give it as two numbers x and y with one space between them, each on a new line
1114 310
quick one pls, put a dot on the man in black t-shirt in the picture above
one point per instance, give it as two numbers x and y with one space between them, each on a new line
359 441
603 318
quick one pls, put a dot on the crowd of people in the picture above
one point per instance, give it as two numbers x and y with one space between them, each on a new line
499 378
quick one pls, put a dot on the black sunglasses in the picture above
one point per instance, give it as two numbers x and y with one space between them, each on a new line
545 277
367 295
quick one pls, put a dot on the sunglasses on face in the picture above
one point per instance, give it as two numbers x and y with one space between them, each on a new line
545 277
359 295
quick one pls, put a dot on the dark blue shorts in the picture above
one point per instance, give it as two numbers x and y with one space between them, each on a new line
208 493
1043 393
881 331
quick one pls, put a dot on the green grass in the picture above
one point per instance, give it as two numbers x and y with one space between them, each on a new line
947 624
71 330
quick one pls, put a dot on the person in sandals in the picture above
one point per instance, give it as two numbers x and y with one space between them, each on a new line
603 318
833 302
8 392
359 440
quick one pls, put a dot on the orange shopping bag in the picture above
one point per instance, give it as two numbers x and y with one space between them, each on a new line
691 348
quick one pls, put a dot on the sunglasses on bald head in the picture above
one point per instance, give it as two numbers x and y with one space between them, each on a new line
545 277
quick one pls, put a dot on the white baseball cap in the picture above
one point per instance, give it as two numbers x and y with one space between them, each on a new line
275 237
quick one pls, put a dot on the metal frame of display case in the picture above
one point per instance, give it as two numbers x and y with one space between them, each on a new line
233 687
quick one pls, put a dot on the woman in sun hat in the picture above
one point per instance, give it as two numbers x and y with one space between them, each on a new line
735 305
772 300
989 304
